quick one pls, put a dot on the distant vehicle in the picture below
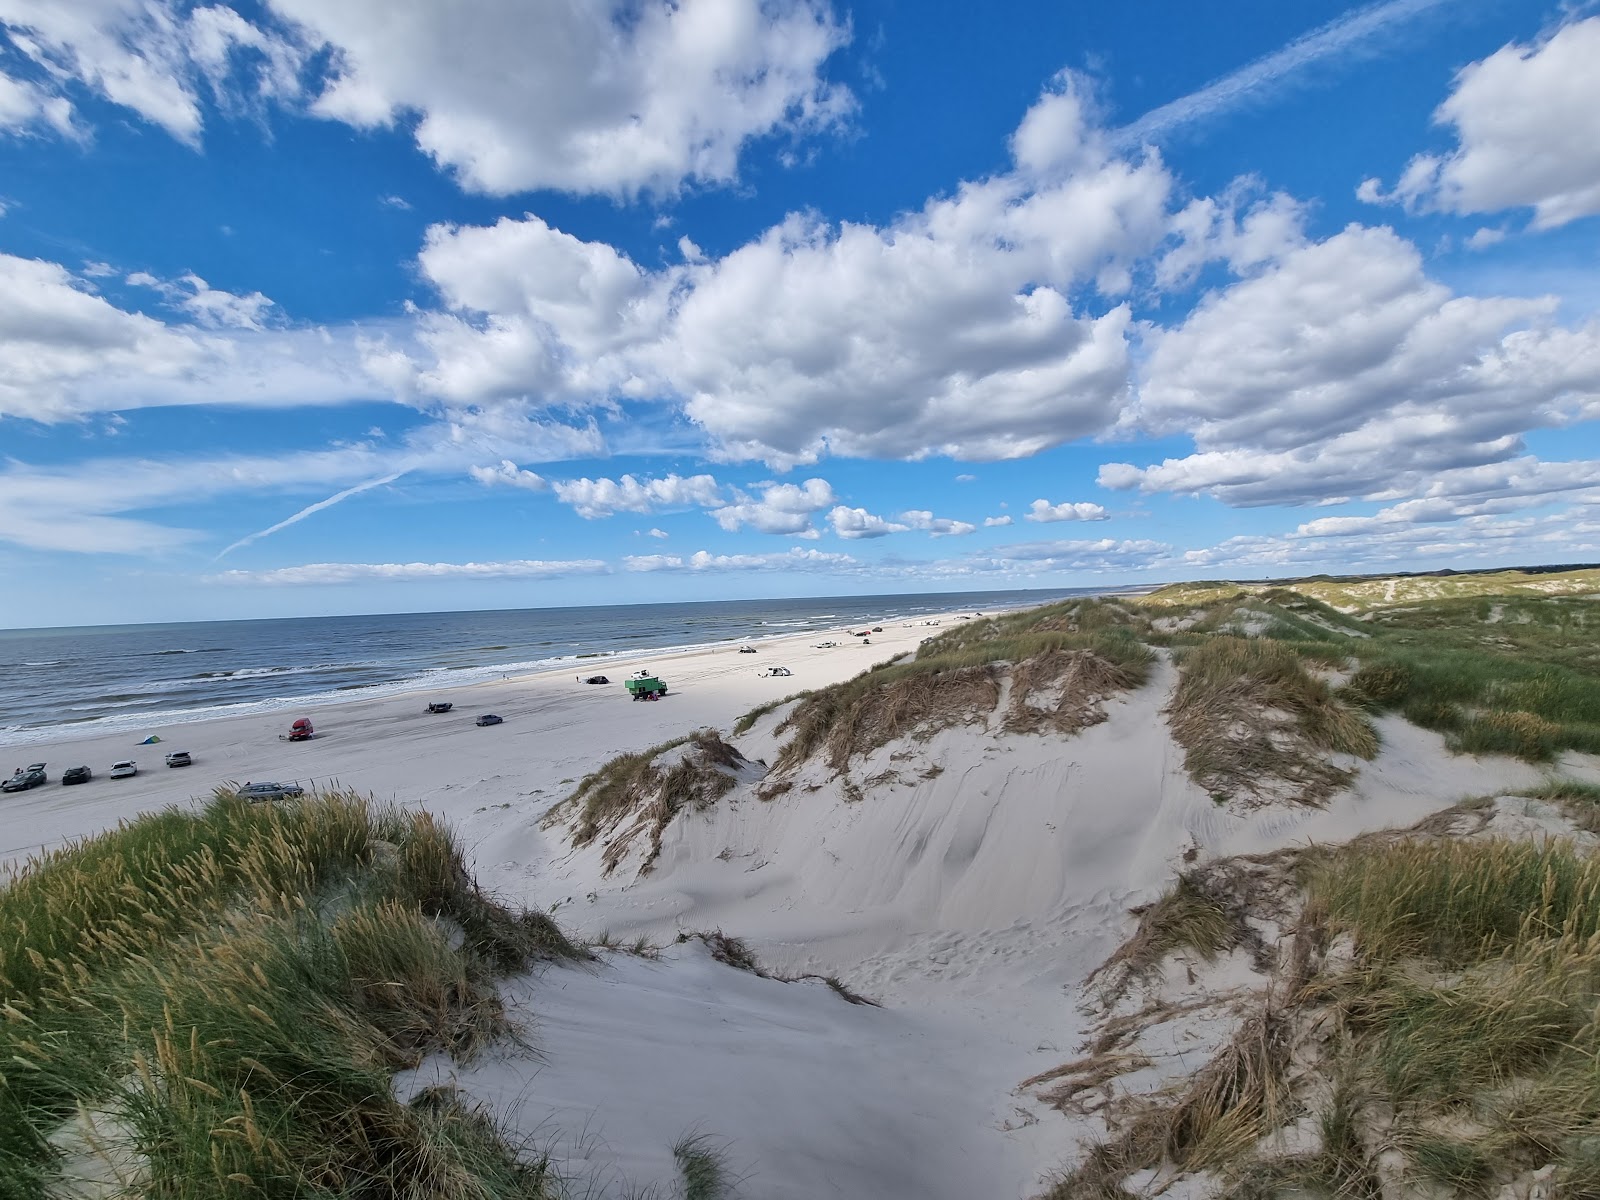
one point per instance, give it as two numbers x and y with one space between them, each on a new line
642 673
645 687
126 769
439 706
77 775
597 679
877 629
859 632
178 758
490 719
825 645
747 649
779 671
270 791
300 731
25 778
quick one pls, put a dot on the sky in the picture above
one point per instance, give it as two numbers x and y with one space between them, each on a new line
419 305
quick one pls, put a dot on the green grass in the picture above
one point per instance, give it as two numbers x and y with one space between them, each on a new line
954 679
704 1166
232 989
642 786
748 722
1254 722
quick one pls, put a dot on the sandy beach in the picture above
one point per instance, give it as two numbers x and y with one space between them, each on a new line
555 729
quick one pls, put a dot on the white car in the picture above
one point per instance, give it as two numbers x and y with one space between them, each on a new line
125 769
825 645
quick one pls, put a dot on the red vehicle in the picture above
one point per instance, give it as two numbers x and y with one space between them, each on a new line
301 730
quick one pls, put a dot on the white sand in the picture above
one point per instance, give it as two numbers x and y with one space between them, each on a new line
972 900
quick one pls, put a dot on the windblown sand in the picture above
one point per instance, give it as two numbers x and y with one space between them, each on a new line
971 891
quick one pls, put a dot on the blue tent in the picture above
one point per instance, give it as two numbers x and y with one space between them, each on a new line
150 741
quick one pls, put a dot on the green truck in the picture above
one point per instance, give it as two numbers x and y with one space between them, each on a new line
645 687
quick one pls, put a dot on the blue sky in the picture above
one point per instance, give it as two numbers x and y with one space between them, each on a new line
312 308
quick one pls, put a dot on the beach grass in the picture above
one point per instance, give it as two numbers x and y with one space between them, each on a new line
212 1003
639 794
1255 723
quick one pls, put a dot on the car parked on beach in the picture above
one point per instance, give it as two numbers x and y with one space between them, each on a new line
27 777
440 706
77 775
126 769
179 758
270 791
490 719
747 649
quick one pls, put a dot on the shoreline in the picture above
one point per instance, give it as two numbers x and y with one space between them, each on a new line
452 678
556 731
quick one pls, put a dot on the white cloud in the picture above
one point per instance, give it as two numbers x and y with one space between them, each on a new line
153 57
1238 228
70 352
1476 540
1337 39
25 106
1527 126
856 523
311 510
659 533
965 478
797 559
585 97
996 522
784 508
323 574
1342 370
948 331
1083 510
596 498
1097 554
510 475
937 526
1482 239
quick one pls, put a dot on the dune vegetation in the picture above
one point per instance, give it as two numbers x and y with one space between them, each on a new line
1429 1022
212 1004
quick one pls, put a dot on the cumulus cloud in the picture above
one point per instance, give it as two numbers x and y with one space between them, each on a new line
964 328
585 97
936 526
1096 554
25 106
323 574
508 474
1527 126
996 522
596 498
1481 539
856 523
1043 510
1341 369
70 352
784 508
154 59
703 560
659 533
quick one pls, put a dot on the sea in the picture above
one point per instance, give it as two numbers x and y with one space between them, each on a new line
79 682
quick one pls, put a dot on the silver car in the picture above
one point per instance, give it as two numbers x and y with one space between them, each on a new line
270 791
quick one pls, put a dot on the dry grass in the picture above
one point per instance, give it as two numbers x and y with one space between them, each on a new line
231 990
637 796
1205 911
734 952
1065 690
1068 658
871 710
1255 724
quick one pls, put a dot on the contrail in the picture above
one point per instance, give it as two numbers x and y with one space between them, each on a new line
313 508
1234 89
